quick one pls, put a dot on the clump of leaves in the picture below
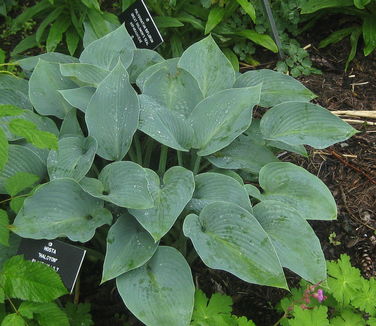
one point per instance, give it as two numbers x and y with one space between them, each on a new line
167 164
296 61
38 285
60 20
349 299
359 20
215 311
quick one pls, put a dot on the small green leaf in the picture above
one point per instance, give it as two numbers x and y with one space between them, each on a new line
79 314
216 15
336 36
13 320
344 280
129 246
261 39
72 39
31 281
310 317
47 314
248 8
56 32
369 34
29 131
20 182
4 231
349 318
167 22
310 6
9 110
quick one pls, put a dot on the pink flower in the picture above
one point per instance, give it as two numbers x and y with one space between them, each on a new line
319 295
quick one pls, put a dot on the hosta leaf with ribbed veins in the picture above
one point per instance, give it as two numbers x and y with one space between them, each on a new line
161 292
112 114
129 246
170 197
229 238
124 184
301 123
295 242
298 188
60 208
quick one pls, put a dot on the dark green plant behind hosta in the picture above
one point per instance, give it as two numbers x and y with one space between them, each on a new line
164 151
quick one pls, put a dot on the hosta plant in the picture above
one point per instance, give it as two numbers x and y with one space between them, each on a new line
168 154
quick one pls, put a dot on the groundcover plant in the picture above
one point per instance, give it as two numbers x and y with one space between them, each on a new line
168 154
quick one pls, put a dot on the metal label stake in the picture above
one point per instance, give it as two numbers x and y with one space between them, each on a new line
269 14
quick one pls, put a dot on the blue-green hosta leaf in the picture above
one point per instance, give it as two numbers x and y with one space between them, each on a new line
301 123
175 89
60 208
44 84
162 291
70 126
230 238
142 59
299 189
84 73
170 198
106 51
15 97
206 62
220 118
4 230
21 159
129 246
276 87
124 184
148 72
28 64
12 82
78 97
112 114
4 146
214 187
32 281
167 127
245 152
73 158
42 123
295 242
